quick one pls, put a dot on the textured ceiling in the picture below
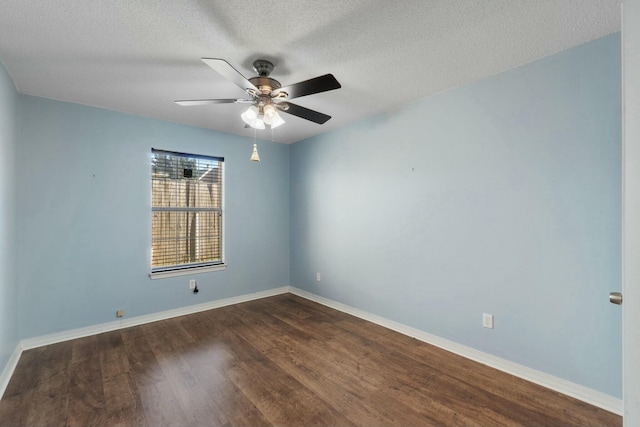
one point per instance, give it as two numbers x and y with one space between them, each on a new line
139 56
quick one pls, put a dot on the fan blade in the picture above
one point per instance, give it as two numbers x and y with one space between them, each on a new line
190 102
303 112
311 86
226 70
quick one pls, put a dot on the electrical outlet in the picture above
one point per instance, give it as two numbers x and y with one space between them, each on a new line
317 277
192 284
120 313
487 320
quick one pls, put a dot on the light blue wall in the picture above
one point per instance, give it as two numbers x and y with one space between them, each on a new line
9 296
502 196
84 216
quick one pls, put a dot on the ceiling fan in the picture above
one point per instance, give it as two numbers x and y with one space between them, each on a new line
266 95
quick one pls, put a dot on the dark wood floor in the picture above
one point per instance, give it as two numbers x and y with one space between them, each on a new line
276 361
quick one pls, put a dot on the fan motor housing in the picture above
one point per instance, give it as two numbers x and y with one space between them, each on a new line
265 84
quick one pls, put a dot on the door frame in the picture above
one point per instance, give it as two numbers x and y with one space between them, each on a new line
631 211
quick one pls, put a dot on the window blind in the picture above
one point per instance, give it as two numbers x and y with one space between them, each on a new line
186 209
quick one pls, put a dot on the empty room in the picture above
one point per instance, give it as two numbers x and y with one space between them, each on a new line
416 213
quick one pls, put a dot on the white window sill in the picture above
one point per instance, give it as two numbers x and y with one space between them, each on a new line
186 271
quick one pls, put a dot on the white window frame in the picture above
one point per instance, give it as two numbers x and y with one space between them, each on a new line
190 269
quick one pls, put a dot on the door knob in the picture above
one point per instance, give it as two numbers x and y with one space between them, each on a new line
615 298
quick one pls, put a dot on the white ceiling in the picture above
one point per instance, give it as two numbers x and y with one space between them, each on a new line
138 56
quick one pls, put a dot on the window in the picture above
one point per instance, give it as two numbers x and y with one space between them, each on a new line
186 213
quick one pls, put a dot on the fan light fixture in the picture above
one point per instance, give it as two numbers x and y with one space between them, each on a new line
257 117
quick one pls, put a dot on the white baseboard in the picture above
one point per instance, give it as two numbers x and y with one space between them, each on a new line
7 372
560 385
40 341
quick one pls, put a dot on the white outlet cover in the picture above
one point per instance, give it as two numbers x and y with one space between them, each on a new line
487 320
192 284
317 277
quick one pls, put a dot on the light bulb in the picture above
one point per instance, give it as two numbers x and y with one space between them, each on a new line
250 115
252 112
253 118
276 120
271 116
258 122
269 113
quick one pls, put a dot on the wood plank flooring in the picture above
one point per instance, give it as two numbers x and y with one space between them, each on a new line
277 361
